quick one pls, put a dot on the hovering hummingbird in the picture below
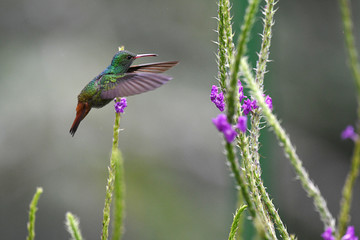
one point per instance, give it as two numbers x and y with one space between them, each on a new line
120 79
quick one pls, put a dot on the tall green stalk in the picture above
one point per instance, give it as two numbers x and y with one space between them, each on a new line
231 99
350 42
225 53
268 22
345 205
344 215
223 56
228 74
114 167
119 197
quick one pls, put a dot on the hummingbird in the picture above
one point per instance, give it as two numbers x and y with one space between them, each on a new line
120 79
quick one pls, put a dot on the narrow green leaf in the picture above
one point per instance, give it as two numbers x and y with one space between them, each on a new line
235 223
33 209
72 226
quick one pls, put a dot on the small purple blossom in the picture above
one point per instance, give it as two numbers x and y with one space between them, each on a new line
214 93
349 132
241 96
230 134
120 106
327 235
242 124
219 102
220 122
240 85
241 91
350 234
248 106
254 104
268 101
225 127
217 98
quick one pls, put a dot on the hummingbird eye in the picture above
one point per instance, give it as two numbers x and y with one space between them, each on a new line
129 57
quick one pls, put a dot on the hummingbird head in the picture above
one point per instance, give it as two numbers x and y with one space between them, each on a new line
123 59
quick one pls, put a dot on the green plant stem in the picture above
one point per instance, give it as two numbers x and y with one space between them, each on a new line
229 35
345 205
225 42
274 215
235 223
119 197
223 57
32 212
266 42
241 183
234 167
232 101
265 224
116 131
256 115
241 222
350 42
225 52
72 224
258 213
289 149
344 216
111 180
265 207
271 210
246 27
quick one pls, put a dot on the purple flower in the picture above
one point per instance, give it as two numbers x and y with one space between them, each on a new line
241 91
230 134
350 234
254 104
220 122
214 93
225 127
327 235
246 106
268 101
242 124
349 132
219 102
120 106
217 98
241 96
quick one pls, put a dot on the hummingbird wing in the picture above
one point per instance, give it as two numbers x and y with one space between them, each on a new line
158 67
131 83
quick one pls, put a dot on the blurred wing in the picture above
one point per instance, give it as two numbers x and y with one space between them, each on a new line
133 83
152 67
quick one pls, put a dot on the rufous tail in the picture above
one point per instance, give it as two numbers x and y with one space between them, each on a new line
82 109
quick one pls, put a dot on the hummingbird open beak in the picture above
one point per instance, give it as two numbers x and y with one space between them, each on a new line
146 55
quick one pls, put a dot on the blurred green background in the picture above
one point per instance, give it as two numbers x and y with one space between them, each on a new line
178 185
